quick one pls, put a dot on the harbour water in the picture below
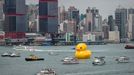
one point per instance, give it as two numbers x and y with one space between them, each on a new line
18 65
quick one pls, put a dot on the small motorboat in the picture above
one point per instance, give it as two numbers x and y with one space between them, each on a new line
15 55
47 71
122 59
98 61
129 47
6 54
70 60
33 58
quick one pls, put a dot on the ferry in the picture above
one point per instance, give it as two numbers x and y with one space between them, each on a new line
98 61
70 60
122 59
47 71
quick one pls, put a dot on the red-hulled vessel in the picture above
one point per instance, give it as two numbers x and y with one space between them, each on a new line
129 47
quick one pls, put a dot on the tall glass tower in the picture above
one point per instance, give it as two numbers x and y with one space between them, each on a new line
48 16
121 21
15 16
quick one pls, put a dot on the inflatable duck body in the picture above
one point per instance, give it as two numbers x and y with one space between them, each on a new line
82 52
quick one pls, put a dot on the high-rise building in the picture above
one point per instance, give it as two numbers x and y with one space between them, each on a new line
32 18
88 25
73 14
1 15
131 26
111 22
131 11
131 23
48 16
62 13
121 21
1 9
98 23
105 29
15 16
94 12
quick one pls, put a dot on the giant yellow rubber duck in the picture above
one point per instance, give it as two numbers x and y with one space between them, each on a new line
82 52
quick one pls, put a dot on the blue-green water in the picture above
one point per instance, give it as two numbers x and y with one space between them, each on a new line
18 66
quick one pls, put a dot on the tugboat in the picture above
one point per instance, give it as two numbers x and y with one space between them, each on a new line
47 71
6 54
122 59
98 61
129 47
33 58
70 60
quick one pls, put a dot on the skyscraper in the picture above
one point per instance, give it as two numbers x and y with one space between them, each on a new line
88 26
95 19
111 22
48 16
121 21
62 13
105 29
1 15
1 9
73 14
97 23
131 23
15 16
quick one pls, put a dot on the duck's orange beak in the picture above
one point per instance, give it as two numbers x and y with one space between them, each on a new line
78 49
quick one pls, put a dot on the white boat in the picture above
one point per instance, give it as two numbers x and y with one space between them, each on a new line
47 71
98 61
122 59
15 54
10 54
70 60
6 54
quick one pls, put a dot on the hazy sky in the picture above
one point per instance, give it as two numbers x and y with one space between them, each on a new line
106 7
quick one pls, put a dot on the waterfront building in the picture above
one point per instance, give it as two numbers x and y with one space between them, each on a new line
114 36
15 16
99 36
111 22
48 16
121 22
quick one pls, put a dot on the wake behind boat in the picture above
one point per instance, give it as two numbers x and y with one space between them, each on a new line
25 48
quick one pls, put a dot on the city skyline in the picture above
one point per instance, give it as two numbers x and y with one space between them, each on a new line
106 7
